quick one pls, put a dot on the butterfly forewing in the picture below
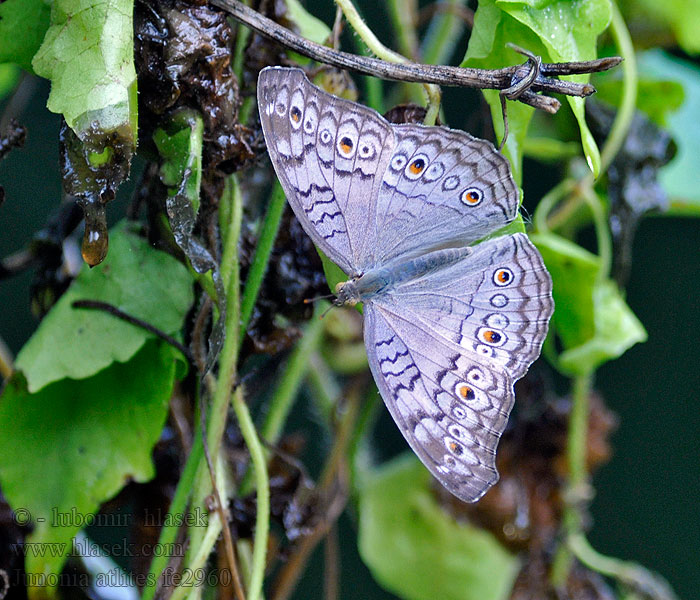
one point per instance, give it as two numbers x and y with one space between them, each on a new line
442 187
329 155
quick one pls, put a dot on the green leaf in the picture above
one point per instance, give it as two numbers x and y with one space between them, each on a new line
419 552
88 56
77 342
616 330
680 177
590 317
75 444
23 24
9 76
309 26
180 146
334 274
569 29
487 49
574 274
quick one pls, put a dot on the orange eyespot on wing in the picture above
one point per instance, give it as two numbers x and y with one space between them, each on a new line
492 337
472 196
464 391
502 277
417 166
346 145
295 114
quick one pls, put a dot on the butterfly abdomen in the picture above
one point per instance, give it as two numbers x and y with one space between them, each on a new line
374 282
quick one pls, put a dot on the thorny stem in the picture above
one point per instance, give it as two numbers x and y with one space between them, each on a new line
380 50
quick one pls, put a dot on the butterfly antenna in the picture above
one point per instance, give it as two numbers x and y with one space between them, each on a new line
326 297
325 312
316 298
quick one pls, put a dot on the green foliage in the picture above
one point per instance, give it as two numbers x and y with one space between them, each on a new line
679 178
180 146
656 98
73 445
558 31
9 74
682 17
591 317
78 343
23 24
417 550
83 412
88 56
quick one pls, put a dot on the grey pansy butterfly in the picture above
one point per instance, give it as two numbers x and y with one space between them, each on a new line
448 327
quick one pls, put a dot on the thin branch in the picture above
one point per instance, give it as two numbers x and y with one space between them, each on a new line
120 314
496 79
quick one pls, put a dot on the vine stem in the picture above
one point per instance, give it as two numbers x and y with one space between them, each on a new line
384 53
262 487
497 79
578 475
625 113
616 137
403 16
203 544
444 31
168 532
285 391
266 241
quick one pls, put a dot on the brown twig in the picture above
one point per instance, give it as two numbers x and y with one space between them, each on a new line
497 79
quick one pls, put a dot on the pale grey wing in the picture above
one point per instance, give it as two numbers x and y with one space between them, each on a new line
451 408
442 187
495 303
329 155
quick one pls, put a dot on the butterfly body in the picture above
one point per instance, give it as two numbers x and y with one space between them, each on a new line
381 280
449 324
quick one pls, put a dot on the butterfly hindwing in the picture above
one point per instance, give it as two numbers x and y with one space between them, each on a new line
495 303
451 410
